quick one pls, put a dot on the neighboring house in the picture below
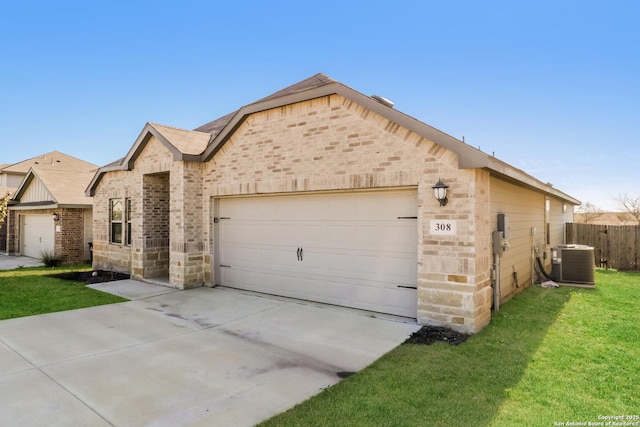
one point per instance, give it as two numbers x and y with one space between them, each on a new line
49 212
11 176
321 193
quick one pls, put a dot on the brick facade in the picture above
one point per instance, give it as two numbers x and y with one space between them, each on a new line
320 136
324 144
3 236
69 234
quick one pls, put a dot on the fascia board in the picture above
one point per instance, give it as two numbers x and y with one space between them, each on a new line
511 174
135 150
23 185
33 207
90 191
142 141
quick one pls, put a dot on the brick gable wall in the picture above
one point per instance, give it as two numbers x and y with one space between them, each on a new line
333 144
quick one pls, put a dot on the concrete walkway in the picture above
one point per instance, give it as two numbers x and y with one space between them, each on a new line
203 357
8 262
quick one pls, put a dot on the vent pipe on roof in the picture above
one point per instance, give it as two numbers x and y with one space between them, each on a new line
383 101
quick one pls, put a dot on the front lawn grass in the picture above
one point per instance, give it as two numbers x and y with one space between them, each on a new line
28 291
549 356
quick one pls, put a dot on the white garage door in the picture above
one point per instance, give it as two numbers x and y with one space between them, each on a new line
37 235
350 249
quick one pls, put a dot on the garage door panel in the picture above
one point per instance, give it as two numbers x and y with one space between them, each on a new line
399 298
317 233
338 291
232 233
355 249
38 235
367 293
400 236
397 270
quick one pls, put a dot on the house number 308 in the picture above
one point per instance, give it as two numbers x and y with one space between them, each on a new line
442 227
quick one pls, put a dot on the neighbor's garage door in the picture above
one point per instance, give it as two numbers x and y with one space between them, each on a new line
37 235
350 249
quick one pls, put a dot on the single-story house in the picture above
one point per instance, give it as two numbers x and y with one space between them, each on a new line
322 193
49 212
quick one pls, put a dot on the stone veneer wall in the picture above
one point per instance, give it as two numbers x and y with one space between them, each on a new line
188 259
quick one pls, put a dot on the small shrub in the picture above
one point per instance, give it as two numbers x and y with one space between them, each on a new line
50 259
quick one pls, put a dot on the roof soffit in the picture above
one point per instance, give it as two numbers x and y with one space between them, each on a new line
506 172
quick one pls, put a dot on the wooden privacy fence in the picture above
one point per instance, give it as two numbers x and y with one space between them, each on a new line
615 246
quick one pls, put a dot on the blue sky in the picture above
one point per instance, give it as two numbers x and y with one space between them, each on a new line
552 88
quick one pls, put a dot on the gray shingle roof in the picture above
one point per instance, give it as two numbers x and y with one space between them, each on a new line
319 85
52 160
66 187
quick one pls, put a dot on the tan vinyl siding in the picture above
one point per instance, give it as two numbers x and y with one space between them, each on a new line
558 220
525 210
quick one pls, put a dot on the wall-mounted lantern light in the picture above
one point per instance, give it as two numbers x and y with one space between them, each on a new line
440 192
55 216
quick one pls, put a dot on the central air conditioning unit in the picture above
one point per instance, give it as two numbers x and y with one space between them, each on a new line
573 264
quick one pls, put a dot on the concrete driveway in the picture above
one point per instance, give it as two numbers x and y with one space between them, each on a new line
203 357
9 262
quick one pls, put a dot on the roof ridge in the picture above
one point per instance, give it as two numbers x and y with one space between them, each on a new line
53 154
317 80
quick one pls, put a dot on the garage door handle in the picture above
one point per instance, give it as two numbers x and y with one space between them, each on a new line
298 254
301 253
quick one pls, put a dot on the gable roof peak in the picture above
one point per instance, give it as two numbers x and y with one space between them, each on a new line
317 80
312 82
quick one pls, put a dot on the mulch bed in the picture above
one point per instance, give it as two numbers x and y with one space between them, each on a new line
429 334
91 277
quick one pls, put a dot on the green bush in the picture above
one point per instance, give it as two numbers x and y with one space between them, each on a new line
50 259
